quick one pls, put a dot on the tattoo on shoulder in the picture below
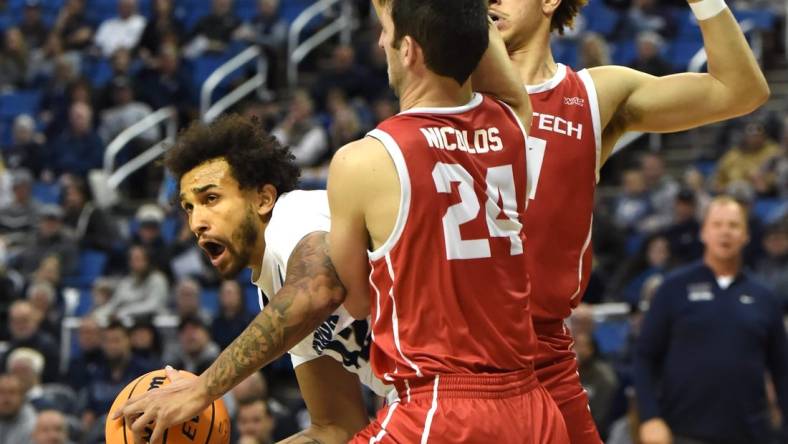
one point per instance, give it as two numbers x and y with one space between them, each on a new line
312 290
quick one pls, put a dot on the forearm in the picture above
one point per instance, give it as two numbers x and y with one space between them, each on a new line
311 293
497 77
730 59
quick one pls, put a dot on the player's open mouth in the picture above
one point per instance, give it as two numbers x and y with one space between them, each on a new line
214 249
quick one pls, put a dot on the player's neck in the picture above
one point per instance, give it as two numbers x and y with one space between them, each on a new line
534 61
257 255
437 93
723 267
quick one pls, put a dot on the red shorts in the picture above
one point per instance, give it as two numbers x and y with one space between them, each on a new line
556 368
472 409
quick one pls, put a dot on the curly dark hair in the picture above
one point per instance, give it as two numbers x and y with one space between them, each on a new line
565 13
256 158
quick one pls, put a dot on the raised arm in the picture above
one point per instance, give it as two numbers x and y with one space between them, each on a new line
496 76
734 86
311 293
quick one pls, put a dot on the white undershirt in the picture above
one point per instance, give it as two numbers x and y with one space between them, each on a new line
724 281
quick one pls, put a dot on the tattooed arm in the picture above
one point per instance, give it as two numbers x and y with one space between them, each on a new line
311 293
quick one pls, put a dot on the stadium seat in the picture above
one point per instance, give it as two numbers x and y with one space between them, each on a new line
600 18
19 102
91 266
681 52
624 52
611 336
48 193
764 209
566 52
209 300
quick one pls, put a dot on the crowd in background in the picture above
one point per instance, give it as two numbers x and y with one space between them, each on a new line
96 77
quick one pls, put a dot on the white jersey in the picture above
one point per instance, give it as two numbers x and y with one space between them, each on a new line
295 215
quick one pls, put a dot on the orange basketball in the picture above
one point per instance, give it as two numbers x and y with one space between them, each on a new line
212 426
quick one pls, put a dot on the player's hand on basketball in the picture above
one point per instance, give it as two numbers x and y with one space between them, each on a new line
655 431
171 404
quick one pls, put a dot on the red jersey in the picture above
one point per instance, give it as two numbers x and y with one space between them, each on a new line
563 168
449 294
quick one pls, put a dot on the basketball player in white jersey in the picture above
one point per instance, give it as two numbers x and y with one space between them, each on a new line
578 118
236 185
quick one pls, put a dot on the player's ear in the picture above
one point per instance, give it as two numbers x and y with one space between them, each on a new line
549 6
266 198
407 50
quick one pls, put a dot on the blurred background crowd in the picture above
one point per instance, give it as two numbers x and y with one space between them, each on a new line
95 290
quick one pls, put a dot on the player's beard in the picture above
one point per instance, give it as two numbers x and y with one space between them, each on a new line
241 246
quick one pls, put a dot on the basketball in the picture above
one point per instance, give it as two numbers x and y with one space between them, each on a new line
212 426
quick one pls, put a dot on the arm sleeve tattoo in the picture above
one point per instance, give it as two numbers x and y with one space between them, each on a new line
312 291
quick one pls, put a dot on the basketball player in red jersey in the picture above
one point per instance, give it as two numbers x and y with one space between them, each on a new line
427 237
578 118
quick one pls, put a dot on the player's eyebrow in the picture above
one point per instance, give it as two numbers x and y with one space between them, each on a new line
200 190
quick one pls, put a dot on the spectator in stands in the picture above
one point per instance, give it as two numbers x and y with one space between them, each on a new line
163 30
14 59
684 233
50 428
146 342
233 317
49 271
772 178
42 294
101 293
662 190
215 31
654 258
187 300
33 28
10 288
344 73
28 365
71 26
346 125
649 58
79 149
57 103
51 238
119 368
17 418
166 83
149 218
633 205
256 387
300 130
123 31
125 112
695 181
743 162
24 321
744 193
773 266
594 51
597 376
197 351
582 320
255 422
707 341
121 64
92 227
90 355
26 150
19 218
269 30
143 291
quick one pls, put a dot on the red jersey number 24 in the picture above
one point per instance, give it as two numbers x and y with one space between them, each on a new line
500 188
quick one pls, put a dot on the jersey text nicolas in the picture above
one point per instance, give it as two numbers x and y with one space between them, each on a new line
447 138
